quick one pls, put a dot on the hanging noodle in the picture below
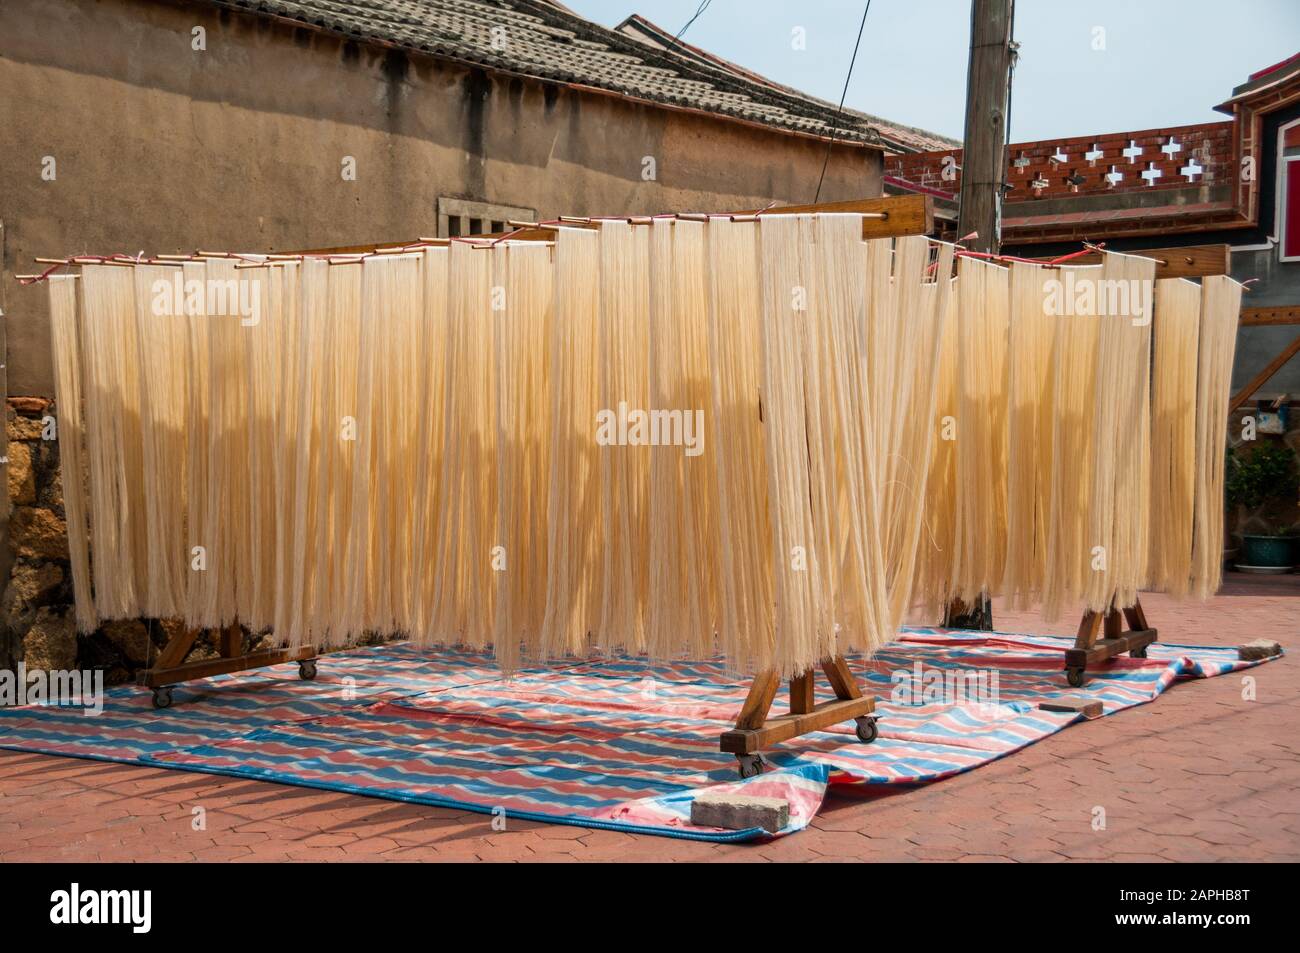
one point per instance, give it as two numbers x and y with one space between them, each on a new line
981 466
574 525
1173 434
64 338
1029 443
1220 307
113 441
1118 535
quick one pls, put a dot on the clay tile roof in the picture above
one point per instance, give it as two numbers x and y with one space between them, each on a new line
543 39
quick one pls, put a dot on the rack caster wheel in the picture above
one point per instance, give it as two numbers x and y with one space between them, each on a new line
867 730
751 765
162 697
1138 653
307 669
1075 677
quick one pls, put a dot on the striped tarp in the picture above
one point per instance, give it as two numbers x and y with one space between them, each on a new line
602 742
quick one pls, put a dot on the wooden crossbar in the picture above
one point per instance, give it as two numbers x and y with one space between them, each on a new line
757 730
172 669
1260 379
1190 261
1089 650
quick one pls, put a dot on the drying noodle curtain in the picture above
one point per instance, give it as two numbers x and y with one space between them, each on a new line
770 439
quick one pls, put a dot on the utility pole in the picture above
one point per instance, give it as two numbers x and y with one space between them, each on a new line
988 99
983 173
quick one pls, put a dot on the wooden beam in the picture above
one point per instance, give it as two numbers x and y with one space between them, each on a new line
907 214
1270 317
841 678
1193 261
158 676
1100 651
784 727
177 647
1260 379
802 694
904 215
762 692
1137 618
1088 630
231 641
1112 624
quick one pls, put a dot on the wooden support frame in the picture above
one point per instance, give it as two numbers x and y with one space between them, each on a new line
900 215
1188 261
1276 316
1088 650
172 669
756 730
1260 379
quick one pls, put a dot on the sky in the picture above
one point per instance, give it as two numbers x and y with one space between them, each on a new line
1085 67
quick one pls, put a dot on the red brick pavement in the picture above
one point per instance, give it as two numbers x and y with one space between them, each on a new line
1201 774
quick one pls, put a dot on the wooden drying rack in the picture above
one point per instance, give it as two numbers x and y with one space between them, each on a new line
1089 651
172 669
755 730
1191 261
890 216
895 215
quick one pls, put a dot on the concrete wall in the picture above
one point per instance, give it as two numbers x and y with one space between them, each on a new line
164 149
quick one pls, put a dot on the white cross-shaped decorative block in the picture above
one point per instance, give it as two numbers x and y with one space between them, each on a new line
1132 152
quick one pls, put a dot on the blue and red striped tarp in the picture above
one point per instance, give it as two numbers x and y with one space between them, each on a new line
601 742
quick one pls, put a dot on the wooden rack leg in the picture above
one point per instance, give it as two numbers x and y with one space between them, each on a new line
171 667
755 730
1089 651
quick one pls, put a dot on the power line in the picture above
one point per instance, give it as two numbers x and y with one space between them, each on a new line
840 108
702 7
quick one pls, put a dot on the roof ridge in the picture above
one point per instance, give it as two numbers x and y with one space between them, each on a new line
937 138
667 58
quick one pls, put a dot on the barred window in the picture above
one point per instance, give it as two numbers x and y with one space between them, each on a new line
459 217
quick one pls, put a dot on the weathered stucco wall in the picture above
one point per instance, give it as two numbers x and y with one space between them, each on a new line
165 149
161 148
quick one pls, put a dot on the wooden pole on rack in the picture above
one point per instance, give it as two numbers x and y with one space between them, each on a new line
984 149
983 175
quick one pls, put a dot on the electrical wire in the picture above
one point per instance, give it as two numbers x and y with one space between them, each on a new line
840 108
700 9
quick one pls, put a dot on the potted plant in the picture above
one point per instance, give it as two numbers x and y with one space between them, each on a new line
1263 483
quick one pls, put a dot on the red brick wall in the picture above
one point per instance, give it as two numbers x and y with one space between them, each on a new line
1209 143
